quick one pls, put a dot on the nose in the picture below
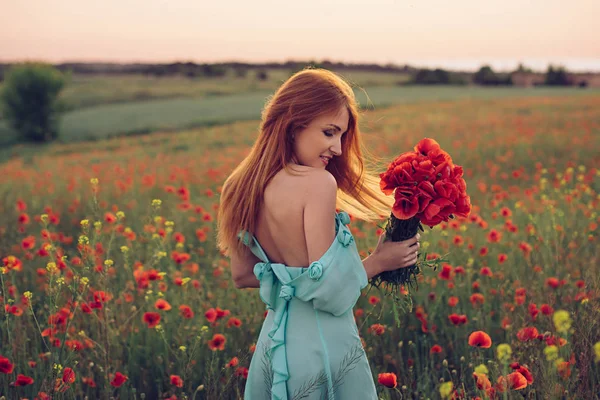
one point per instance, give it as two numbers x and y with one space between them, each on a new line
336 150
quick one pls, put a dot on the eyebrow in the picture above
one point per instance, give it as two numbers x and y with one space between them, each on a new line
336 127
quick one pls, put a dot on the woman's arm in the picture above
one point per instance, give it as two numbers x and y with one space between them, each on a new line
372 266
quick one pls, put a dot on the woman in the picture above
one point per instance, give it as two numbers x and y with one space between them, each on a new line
306 163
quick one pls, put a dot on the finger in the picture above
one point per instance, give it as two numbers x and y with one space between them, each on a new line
411 241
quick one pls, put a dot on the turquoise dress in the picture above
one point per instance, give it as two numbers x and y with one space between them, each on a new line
309 347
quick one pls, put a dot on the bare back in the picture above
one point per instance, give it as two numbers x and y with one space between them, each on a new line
280 224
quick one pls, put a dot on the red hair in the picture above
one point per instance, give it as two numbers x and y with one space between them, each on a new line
306 95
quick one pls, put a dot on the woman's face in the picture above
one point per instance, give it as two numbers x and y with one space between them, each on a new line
321 139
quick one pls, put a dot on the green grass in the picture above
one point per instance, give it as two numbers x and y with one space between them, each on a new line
137 117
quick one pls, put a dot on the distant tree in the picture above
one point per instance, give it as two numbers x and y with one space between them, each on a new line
30 100
523 68
262 75
213 70
437 76
557 76
487 76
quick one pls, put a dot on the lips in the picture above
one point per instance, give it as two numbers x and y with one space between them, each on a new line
325 160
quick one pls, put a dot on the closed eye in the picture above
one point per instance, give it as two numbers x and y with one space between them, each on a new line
328 133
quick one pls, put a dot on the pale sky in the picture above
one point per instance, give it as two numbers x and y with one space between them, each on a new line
426 32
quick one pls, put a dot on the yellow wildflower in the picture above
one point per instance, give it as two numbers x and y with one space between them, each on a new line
481 369
562 321
597 351
120 214
94 181
551 352
446 390
28 295
503 352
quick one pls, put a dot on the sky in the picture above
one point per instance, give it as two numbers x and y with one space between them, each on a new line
460 34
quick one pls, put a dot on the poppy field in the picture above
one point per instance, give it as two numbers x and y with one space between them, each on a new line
112 287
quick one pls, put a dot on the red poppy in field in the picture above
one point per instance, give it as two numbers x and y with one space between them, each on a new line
480 339
22 380
482 381
494 236
502 258
546 309
524 371
377 329
234 322
211 315
6 366
109 217
477 298
118 380
68 375
233 362
528 333
516 381
186 311
28 243
453 301
242 371
388 379
151 319
89 381
446 272
222 313
217 342
373 300
436 348
162 304
552 282
458 319
176 381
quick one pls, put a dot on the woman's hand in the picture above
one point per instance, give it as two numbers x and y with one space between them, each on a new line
394 255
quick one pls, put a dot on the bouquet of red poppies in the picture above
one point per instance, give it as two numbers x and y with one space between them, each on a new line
428 188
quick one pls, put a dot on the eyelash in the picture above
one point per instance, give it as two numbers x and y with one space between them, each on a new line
328 133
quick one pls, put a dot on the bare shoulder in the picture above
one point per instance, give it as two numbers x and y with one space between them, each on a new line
319 184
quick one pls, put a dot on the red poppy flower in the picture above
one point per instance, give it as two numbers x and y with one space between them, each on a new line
176 381
186 311
211 315
162 304
6 366
516 381
233 362
118 379
377 329
480 339
436 348
22 380
452 301
151 319
388 379
528 333
482 381
217 342
68 375
458 319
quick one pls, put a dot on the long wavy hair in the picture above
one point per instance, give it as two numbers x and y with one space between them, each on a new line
306 95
